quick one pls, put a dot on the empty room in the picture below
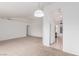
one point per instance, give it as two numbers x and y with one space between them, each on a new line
37 28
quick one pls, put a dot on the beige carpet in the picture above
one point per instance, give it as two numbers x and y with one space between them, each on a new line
27 46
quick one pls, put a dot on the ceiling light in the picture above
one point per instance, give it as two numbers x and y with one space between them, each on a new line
39 12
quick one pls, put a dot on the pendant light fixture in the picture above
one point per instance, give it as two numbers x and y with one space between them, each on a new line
39 12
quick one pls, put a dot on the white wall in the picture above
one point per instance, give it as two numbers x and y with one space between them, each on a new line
46 30
16 27
35 27
70 24
48 27
11 29
71 28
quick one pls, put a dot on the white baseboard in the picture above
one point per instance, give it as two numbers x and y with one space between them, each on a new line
2 39
35 36
71 52
47 45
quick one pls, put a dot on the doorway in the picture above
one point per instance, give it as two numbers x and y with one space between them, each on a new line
58 17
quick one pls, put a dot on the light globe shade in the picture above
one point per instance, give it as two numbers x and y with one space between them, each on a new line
38 13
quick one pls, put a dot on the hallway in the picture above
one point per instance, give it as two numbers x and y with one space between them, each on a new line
58 43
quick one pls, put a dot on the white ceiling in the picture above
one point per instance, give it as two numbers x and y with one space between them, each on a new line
19 9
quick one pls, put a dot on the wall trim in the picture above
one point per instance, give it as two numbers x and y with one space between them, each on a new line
13 38
71 52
